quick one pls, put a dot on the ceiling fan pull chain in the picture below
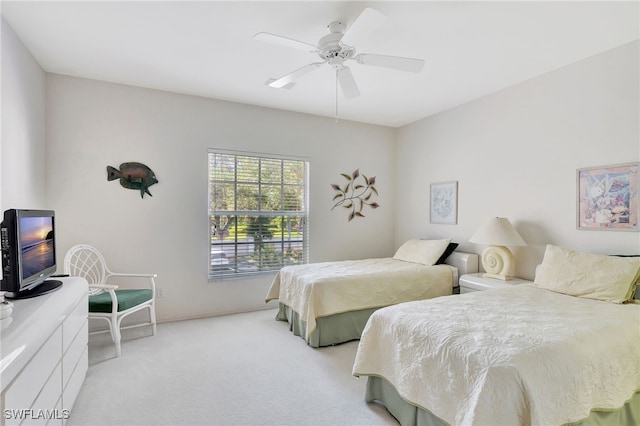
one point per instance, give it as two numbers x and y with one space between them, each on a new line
336 95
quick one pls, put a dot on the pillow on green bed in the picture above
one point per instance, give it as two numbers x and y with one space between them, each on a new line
425 252
593 276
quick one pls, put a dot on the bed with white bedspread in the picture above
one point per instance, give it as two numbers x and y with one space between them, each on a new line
524 355
329 303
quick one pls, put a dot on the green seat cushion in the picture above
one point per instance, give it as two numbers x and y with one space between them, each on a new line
126 299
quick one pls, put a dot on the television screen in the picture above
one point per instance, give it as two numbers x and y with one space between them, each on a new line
28 253
36 243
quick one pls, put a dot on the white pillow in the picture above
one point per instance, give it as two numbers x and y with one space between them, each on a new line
425 252
593 276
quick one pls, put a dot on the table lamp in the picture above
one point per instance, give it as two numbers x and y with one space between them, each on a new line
497 259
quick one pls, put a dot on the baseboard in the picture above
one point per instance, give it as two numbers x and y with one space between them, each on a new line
218 314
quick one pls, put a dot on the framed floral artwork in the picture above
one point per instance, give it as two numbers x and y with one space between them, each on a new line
444 203
608 197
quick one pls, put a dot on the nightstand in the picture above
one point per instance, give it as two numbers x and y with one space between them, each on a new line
476 282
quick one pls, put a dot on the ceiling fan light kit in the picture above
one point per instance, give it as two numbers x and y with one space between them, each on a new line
286 86
336 48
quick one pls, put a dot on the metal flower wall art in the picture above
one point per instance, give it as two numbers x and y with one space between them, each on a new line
356 193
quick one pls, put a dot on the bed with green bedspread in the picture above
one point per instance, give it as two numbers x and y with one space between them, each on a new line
330 303
522 355
408 414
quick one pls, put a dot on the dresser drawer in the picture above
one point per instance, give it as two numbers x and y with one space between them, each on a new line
44 409
465 289
478 282
25 389
72 387
74 322
77 347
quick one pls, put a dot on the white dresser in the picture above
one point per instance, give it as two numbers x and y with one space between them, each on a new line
43 356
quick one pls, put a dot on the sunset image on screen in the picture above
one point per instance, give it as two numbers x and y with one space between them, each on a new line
36 242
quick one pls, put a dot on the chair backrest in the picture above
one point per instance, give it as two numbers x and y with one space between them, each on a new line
87 262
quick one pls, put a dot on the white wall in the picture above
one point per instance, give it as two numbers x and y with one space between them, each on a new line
22 149
93 124
515 154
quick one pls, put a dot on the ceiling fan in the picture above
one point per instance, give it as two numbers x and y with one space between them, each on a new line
336 48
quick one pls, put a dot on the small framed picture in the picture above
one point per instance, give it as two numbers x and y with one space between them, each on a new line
444 203
608 197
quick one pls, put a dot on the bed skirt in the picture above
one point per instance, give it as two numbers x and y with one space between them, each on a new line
330 330
378 389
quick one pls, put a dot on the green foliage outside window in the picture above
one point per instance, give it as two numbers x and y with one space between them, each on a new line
258 212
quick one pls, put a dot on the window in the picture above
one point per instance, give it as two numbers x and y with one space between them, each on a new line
257 212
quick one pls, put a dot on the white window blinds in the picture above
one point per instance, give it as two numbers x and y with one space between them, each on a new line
258 207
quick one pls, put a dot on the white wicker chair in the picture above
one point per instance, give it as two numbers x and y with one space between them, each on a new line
105 300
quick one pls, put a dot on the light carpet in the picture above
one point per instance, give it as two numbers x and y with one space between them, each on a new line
242 369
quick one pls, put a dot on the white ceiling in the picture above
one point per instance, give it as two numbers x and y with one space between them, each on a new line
205 48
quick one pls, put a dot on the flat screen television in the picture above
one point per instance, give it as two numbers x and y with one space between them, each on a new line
28 253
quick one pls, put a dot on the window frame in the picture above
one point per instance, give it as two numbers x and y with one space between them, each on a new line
228 273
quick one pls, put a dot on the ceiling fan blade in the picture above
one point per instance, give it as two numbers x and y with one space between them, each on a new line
285 41
293 76
395 62
366 22
348 83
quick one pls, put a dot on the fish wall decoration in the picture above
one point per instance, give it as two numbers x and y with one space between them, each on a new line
133 175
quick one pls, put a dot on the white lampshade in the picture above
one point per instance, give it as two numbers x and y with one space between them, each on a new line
497 260
497 231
